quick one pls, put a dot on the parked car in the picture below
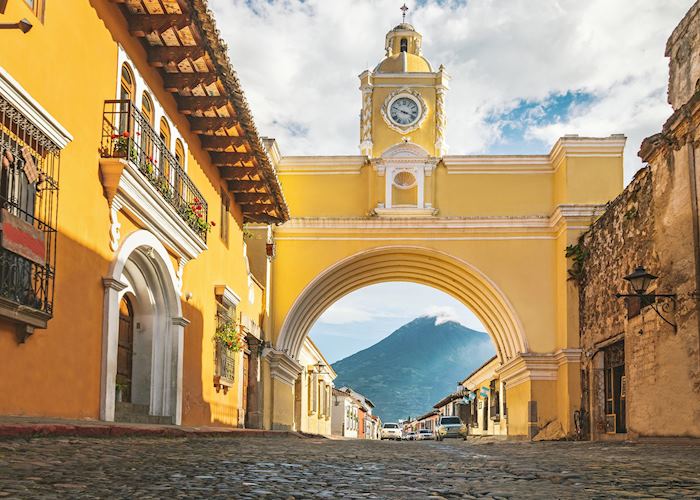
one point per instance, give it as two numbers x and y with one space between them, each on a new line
409 436
450 427
391 430
424 434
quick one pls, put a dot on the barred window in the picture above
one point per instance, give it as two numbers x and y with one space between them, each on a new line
28 214
225 361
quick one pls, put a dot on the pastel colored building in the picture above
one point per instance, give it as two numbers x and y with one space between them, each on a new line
130 165
314 405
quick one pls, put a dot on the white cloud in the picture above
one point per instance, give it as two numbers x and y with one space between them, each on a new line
341 314
443 314
299 61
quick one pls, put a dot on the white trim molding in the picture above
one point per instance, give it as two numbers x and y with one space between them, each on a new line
228 297
532 366
569 146
133 193
283 366
143 251
21 100
321 165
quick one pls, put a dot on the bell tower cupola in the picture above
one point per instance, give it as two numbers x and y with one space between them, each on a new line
402 122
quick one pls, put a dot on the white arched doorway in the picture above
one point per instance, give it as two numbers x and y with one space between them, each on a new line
141 300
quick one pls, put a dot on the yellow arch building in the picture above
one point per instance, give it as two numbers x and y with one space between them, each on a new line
489 230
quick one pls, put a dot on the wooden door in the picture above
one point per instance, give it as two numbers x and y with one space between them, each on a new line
125 353
246 363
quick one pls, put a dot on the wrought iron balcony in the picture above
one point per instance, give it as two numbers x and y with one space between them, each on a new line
127 133
28 216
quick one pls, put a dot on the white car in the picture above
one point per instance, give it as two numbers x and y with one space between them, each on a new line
448 427
391 430
424 434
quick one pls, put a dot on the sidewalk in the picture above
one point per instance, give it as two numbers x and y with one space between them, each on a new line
27 427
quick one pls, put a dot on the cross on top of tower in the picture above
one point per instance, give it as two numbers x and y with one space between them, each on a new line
403 12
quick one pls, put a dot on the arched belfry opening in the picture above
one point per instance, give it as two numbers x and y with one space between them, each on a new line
404 45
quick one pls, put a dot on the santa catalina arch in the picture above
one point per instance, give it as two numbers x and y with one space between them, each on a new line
489 230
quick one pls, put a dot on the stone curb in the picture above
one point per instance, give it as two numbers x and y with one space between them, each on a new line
13 431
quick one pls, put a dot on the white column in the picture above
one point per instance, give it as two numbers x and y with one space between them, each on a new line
110 346
389 181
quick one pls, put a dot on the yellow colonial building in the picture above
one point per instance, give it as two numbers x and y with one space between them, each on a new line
489 230
130 164
313 392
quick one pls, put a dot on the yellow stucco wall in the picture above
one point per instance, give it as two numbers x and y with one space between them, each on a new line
71 80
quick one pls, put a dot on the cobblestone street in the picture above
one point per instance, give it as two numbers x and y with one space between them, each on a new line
303 468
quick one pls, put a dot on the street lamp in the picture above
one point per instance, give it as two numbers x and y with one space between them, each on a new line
23 25
639 280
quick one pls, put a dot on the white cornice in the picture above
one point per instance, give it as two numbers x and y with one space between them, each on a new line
321 165
282 366
531 366
569 214
486 372
565 147
405 75
587 147
229 298
20 99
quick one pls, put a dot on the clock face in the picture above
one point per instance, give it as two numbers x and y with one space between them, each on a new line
404 111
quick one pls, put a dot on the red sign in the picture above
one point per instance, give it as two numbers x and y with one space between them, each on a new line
20 237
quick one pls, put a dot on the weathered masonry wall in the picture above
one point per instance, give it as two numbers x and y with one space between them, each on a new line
649 224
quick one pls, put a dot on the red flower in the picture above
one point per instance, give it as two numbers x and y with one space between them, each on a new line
198 207
196 200
126 133
212 223
114 136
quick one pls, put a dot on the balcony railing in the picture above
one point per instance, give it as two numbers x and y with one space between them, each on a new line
28 212
127 133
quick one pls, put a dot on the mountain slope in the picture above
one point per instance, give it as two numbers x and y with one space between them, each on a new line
414 367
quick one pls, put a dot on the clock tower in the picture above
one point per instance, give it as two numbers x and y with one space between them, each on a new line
402 122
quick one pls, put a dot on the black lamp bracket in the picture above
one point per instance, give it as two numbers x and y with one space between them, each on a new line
666 301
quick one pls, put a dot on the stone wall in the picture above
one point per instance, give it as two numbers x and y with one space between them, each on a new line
684 58
651 224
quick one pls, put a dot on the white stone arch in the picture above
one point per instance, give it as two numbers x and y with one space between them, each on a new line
142 263
412 264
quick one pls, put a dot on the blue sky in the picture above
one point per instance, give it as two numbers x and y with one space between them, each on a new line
524 73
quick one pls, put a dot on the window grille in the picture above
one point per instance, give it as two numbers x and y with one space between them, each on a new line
224 358
28 211
128 133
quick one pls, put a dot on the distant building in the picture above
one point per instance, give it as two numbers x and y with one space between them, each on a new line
313 404
428 421
487 412
352 413
344 414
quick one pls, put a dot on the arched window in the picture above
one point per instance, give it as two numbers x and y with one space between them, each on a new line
147 108
180 157
146 131
127 91
127 84
404 45
164 135
180 153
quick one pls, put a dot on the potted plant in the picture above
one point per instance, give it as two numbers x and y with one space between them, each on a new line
119 392
120 144
193 214
227 335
